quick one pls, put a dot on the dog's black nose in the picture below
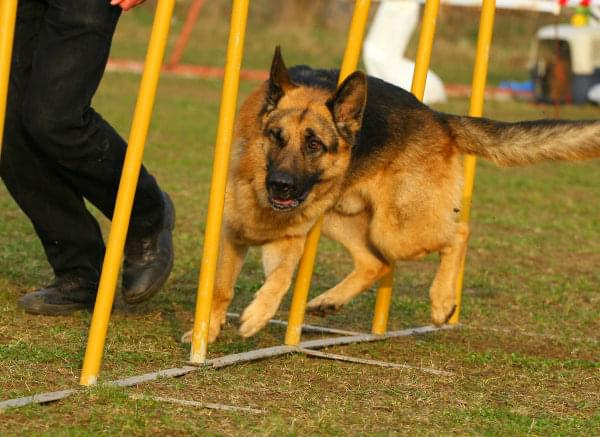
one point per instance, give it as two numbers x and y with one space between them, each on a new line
281 184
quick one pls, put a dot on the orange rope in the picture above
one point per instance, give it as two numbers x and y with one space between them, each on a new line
184 35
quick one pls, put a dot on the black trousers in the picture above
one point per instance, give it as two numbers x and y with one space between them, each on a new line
57 151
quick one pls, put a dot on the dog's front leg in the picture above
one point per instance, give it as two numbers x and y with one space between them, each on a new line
230 263
280 258
231 258
352 233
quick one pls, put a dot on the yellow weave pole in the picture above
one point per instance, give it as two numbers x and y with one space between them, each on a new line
8 15
423 58
305 269
126 193
212 233
383 301
428 24
484 41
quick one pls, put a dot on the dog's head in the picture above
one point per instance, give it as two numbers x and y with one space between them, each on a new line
307 135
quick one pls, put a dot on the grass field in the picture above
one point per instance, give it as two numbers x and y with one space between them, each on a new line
526 361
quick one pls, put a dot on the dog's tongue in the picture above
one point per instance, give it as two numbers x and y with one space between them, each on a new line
286 202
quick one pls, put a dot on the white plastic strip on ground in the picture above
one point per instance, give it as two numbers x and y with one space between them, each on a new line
209 405
305 328
41 398
224 361
370 362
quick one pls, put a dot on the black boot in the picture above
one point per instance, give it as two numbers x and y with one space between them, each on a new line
148 261
64 296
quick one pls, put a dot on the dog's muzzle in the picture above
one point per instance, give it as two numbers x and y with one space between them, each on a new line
285 191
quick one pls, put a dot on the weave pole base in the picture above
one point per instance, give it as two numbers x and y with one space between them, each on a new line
229 360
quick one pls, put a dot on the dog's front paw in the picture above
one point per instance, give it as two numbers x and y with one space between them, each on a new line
440 314
213 333
214 328
324 304
256 316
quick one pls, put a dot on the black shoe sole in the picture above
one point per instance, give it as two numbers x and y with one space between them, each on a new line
44 309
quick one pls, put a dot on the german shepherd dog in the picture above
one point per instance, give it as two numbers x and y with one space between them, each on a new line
383 168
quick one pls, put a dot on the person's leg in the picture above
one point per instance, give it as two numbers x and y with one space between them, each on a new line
71 56
70 59
74 44
58 150
69 234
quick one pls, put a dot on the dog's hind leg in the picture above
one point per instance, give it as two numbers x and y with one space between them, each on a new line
443 289
280 258
351 232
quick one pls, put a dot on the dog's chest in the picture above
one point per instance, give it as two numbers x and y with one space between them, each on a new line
350 203
254 230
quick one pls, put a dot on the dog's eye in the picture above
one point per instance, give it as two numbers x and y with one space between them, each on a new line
276 137
313 145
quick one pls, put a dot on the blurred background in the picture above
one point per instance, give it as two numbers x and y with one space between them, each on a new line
314 32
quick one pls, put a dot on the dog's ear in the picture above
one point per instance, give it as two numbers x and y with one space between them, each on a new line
347 106
279 81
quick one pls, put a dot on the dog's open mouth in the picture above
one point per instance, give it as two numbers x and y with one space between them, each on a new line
282 204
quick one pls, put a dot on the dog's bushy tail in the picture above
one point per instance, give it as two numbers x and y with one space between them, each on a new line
526 142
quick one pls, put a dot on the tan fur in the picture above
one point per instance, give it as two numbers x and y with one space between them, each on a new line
249 220
399 203
526 142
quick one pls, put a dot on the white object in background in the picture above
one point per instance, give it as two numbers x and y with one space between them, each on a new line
584 45
551 6
593 94
384 47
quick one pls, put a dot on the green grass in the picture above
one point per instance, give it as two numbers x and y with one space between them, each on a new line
532 266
